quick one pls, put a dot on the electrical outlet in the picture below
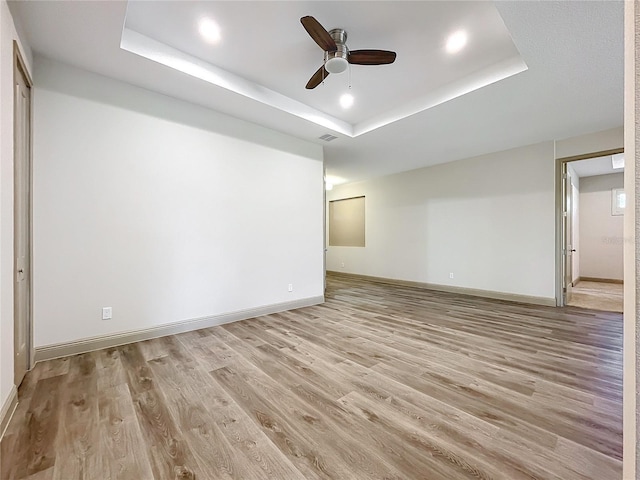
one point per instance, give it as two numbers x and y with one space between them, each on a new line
342 264
107 313
451 275
291 287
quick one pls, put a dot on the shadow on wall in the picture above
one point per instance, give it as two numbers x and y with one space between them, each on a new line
69 80
497 177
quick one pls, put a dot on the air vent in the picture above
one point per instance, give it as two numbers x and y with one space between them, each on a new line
327 137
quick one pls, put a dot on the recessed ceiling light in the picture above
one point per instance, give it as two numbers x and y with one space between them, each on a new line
456 41
346 100
617 161
209 30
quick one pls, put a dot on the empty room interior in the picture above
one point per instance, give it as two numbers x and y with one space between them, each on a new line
318 240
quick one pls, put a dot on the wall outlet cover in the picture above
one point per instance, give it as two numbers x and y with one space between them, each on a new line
107 313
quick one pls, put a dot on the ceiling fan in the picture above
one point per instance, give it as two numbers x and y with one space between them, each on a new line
336 53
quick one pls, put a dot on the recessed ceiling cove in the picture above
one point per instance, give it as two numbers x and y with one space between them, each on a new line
272 64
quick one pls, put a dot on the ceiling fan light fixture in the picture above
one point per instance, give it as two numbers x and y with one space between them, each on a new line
338 60
336 65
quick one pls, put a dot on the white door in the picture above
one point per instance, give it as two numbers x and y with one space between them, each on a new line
567 234
575 230
22 225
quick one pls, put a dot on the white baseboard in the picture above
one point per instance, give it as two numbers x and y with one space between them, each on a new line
511 297
8 407
84 345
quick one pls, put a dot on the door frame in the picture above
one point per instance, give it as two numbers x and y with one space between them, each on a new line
560 231
20 68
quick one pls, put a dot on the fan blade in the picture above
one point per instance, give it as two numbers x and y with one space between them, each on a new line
319 34
317 78
371 57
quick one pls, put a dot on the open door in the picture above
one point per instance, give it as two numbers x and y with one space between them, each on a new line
567 234
22 220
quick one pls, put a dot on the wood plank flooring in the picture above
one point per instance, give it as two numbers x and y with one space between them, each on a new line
380 382
598 296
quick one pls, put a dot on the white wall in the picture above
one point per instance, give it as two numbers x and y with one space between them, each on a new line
163 210
590 143
489 220
601 234
8 35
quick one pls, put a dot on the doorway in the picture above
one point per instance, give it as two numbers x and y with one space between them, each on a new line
590 241
22 218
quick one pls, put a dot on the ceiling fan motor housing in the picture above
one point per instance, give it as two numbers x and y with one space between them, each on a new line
336 62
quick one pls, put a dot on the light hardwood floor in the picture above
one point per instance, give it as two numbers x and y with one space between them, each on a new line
598 296
380 382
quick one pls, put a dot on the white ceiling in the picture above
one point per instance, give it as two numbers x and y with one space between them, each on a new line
573 84
423 75
595 166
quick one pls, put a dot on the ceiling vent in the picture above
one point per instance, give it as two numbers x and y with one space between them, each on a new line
327 137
